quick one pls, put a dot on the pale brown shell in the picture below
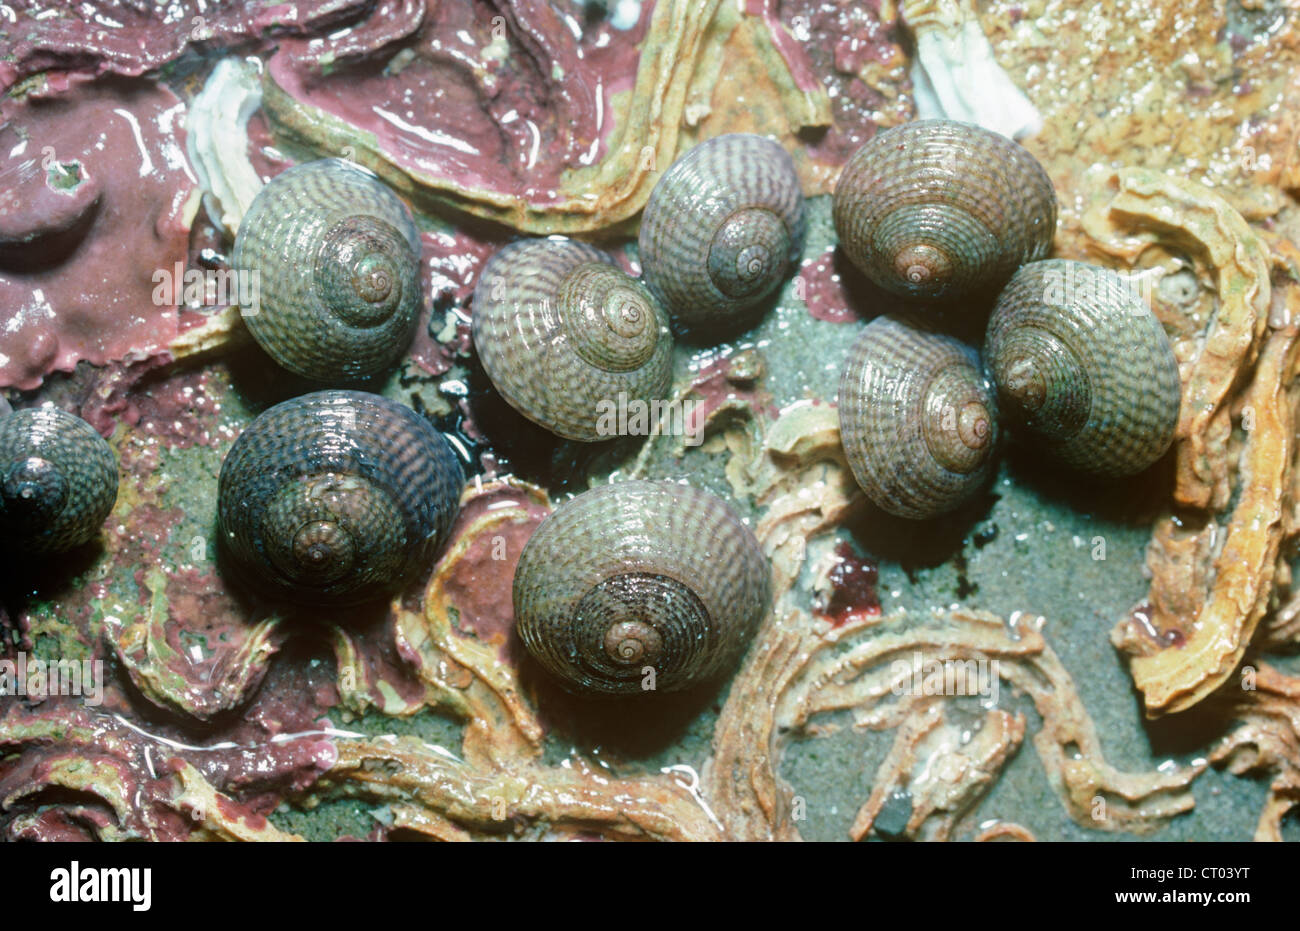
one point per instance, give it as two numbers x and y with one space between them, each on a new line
918 418
58 481
336 259
336 497
1080 360
937 209
563 333
640 575
722 229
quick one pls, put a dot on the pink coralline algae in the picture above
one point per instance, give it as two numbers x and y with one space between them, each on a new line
528 100
93 206
452 263
108 37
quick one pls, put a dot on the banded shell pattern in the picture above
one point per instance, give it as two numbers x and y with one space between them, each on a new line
560 329
722 229
334 256
918 418
58 481
1080 360
640 574
937 209
336 497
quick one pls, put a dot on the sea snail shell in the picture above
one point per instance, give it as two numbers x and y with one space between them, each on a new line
639 574
722 229
560 329
937 209
336 256
918 418
1079 358
336 497
58 481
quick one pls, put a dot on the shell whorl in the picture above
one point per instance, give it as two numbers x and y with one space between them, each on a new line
639 574
336 497
560 329
1080 360
336 260
723 228
58 481
937 209
918 419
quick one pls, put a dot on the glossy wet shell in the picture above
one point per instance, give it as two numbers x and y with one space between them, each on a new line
722 229
565 336
635 575
918 419
336 497
1081 361
58 481
937 209
336 260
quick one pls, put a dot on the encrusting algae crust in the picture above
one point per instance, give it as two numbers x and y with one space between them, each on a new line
1172 136
688 46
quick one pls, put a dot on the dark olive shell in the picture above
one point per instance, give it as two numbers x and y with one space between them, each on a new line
336 259
918 418
58 481
561 330
722 229
1080 360
937 209
336 497
640 576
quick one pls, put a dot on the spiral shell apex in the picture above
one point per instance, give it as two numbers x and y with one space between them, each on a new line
1080 360
918 419
336 497
563 333
723 228
335 257
640 576
937 209
58 481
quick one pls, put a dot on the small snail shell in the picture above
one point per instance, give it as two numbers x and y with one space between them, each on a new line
639 574
58 481
336 256
560 328
336 497
722 229
1079 358
937 208
918 419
